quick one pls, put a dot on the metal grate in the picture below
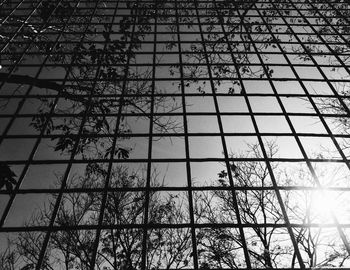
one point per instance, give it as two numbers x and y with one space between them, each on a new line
174 134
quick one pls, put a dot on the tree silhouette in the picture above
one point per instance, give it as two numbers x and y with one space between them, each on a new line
223 247
119 247
268 245
220 246
97 65
101 85
338 108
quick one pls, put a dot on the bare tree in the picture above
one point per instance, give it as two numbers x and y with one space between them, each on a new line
119 248
268 245
258 205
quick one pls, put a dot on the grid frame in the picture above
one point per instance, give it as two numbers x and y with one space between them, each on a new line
113 95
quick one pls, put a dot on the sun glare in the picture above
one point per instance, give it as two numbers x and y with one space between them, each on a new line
323 204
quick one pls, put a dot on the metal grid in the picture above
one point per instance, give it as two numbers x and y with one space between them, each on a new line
174 134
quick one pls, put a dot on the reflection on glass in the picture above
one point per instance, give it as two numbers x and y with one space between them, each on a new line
174 135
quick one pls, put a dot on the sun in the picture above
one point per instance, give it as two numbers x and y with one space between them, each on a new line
323 205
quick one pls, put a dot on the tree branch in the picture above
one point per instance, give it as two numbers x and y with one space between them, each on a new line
24 79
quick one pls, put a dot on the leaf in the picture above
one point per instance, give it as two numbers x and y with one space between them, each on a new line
222 182
7 177
122 153
108 152
106 36
233 167
222 174
64 143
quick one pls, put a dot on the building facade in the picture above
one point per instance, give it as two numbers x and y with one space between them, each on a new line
174 134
